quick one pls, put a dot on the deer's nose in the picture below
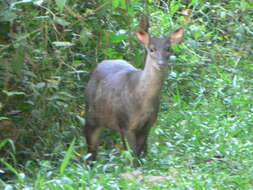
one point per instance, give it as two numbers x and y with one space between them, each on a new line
161 62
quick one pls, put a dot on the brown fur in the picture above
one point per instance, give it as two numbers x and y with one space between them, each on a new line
125 99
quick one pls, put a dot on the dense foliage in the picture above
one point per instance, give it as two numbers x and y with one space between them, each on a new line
48 48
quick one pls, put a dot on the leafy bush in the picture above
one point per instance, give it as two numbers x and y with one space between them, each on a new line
48 48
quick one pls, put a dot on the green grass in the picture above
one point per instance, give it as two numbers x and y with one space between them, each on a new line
201 146
203 138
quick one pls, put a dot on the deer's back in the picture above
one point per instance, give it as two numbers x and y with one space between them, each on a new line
114 75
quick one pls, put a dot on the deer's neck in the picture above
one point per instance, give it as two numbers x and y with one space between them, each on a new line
151 79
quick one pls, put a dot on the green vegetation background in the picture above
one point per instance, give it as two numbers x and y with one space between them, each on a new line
204 136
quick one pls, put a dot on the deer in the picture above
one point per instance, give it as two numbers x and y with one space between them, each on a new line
125 99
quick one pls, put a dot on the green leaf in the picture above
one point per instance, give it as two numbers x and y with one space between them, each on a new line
67 157
77 62
85 35
38 2
20 3
4 118
123 4
40 85
81 120
12 93
115 3
119 4
11 168
193 2
5 141
60 4
66 94
7 16
110 53
61 21
174 6
62 44
117 38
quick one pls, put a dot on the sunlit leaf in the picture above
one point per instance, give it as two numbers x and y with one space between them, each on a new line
12 93
3 143
85 35
20 3
60 4
38 2
62 44
67 157
115 3
40 85
8 187
174 6
11 168
61 21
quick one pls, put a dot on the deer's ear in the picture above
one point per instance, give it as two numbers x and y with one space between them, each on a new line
176 36
142 37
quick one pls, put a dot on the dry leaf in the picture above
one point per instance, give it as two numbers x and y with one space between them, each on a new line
154 179
132 175
52 80
186 12
8 130
138 176
119 146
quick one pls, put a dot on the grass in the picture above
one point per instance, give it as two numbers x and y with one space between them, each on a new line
203 138
199 145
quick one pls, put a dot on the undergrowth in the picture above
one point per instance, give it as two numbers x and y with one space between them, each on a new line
203 137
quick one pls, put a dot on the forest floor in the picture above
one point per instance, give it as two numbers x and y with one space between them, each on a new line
203 138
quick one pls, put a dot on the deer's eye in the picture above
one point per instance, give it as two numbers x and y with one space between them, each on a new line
152 49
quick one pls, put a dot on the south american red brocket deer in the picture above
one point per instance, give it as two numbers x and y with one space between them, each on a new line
125 99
